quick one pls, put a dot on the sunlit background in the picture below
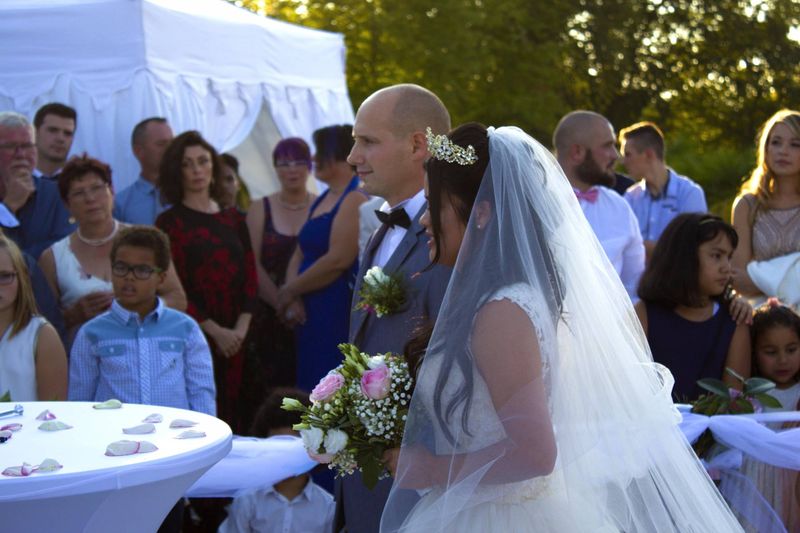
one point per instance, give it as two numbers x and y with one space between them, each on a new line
708 71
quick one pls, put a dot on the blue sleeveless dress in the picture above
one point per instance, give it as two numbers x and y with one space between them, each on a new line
327 309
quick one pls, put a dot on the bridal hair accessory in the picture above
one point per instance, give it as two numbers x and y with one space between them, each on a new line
443 149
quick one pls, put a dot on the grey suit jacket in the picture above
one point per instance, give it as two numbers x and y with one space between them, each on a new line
358 508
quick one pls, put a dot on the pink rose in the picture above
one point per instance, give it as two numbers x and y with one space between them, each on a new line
376 382
327 387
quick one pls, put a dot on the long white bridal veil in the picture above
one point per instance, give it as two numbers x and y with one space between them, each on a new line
577 435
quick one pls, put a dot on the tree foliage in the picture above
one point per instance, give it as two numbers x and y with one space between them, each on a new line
708 71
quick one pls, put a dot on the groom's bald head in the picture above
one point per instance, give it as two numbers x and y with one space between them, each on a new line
411 108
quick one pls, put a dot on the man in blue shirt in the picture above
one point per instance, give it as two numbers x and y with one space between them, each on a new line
35 202
141 202
661 193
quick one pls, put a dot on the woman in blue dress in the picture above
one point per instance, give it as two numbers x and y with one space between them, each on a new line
317 295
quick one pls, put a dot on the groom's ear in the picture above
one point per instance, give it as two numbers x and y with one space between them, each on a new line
483 212
419 145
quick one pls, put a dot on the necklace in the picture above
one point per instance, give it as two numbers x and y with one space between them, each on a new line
294 207
102 240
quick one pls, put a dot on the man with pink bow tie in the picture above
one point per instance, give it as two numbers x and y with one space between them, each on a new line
586 149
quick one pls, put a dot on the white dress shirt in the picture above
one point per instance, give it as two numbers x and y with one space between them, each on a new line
617 229
394 235
268 511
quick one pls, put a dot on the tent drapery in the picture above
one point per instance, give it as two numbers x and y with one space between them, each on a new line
203 64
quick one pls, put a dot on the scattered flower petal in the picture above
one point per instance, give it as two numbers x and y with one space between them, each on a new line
54 425
129 447
141 429
5 434
108 404
46 415
155 418
11 427
180 423
191 434
18 471
49 465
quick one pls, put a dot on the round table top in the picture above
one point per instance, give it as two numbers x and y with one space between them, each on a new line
81 449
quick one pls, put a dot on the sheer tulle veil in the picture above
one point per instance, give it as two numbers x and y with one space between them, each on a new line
621 463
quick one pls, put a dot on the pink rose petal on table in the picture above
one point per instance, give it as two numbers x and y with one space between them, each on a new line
181 423
191 434
155 418
46 415
141 429
19 471
54 425
129 447
49 465
11 427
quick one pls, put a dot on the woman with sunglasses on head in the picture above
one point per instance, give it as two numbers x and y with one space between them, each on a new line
274 223
212 254
78 266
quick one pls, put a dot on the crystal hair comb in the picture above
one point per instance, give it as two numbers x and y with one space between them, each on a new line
443 149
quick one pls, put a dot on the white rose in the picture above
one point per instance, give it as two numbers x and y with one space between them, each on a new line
335 441
375 361
312 439
373 276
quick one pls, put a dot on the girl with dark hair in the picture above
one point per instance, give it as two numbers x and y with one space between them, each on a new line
213 256
537 406
321 273
274 223
688 326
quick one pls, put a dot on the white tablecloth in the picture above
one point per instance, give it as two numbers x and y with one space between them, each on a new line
93 492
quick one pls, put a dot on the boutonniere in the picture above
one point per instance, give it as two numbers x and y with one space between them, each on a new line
381 293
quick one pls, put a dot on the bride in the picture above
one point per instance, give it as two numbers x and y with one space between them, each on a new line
537 405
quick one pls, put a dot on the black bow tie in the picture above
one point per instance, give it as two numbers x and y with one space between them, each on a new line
398 217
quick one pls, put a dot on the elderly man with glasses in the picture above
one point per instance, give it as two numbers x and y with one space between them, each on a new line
39 217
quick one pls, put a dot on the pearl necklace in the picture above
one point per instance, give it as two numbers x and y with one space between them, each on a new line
102 240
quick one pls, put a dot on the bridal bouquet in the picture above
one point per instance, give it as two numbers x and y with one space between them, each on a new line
722 400
357 412
381 293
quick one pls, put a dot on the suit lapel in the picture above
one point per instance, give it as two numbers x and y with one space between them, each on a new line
406 245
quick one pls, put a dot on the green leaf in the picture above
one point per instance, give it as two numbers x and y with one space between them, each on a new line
755 386
371 470
769 401
6 397
734 374
743 406
714 385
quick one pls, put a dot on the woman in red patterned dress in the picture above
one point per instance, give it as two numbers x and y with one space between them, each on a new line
213 256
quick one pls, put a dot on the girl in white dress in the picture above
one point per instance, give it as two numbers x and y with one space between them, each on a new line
33 365
537 405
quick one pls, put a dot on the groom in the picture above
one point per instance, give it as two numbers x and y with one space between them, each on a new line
389 155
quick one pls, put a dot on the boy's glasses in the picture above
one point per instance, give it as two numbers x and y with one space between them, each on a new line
7 278
142 272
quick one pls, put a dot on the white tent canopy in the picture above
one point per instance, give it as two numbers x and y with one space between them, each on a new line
240 79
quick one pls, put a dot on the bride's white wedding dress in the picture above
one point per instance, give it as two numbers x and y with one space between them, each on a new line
539 504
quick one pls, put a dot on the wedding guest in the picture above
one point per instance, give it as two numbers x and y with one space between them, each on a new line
319 279
33 365
141 202
55 130
141 332
34 201
232 190
294 505
214 259
766 214
389 155
77 266
682 309
586 150
661 193
274 223
776 357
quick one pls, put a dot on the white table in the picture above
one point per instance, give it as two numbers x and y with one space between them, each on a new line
93 492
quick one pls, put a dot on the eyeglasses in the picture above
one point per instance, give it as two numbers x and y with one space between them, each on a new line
85 194
7 278
290 164
142 272
13 147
